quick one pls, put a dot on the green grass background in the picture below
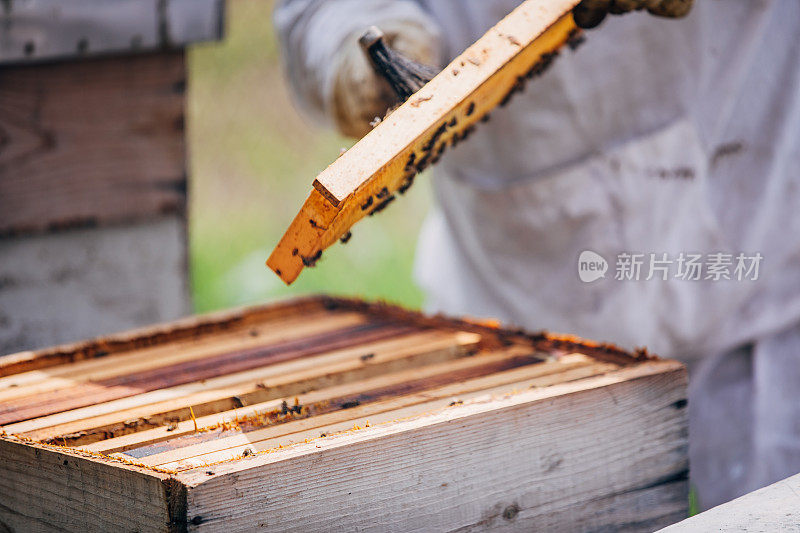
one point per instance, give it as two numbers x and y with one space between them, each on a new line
252 159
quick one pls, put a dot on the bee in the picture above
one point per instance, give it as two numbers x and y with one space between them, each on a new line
310 261
439 151
575 39
423 162
410 162
381 206
407 183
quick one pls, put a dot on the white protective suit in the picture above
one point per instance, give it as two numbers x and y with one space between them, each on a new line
656 136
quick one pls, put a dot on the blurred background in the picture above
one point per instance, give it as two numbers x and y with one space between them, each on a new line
252 158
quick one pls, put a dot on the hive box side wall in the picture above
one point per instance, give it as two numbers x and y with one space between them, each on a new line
92 142
46 489
55 289
605 453
92 184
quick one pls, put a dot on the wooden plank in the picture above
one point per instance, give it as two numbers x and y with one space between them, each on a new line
534 460
171 376
495 57
227 392
38 381
92 142
386 392
297 248
205 327
51 29
314 403
270 440
45 489
56 289
364 179
387 410
195 327
309 383
772 508
495 337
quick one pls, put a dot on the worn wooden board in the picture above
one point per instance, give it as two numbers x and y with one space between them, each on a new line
387 395
380 382
218 398
91 142
157 380
365 179
51 29
198 328
387 411
47 489
323 404
772 508
92 370
84 296
603 454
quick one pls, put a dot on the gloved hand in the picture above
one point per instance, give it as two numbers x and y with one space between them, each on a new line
590 13
359 93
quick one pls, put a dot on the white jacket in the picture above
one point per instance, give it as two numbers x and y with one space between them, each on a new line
656 136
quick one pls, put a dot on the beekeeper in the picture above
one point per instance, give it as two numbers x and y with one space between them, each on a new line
667 149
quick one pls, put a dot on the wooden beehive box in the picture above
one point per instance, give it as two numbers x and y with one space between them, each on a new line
331 414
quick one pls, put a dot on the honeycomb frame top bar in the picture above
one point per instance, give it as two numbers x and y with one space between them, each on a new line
365 178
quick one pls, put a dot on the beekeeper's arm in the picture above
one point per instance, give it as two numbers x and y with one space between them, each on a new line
330 75
327 69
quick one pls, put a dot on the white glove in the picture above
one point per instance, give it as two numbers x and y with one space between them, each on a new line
359 93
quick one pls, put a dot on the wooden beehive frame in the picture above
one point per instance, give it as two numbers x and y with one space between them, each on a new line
205 417
365 178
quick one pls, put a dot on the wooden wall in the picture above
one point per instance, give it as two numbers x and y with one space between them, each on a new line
92 197
92 142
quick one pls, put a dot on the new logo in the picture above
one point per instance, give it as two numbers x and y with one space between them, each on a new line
591 266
